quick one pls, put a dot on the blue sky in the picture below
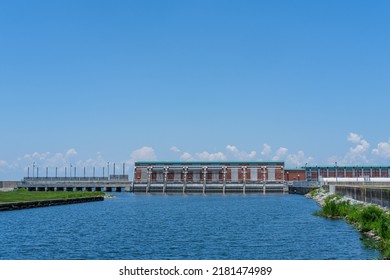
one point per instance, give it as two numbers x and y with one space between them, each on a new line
84 83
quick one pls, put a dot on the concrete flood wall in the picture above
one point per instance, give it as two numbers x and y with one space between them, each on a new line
302 187
104 186
300 190
378 196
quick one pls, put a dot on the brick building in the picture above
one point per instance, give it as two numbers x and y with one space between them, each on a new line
209 172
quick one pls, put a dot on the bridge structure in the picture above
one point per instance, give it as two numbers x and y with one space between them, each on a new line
112 183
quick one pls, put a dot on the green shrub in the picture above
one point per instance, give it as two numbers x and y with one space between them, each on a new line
355 214
371 217
314 192
385 248
384 227
334 207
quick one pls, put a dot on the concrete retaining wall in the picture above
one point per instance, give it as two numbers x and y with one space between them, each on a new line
378 196
300 190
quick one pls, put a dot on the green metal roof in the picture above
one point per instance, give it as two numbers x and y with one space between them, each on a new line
295 169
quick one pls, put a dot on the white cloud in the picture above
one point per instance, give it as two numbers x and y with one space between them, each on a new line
252 154
71 152
36 156
47 159
354 138
231 148
3 163
357 154
280 154
266 150
99 161
360 148
299 159
382 150
210 157
241 155
57 160
143 154
175 149
186 156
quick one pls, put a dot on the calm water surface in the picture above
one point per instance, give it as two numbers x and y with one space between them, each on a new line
131 226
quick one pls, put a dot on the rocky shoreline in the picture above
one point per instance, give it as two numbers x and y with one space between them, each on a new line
322 194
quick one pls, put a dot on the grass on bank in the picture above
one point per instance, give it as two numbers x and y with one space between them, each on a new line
370 219
22 195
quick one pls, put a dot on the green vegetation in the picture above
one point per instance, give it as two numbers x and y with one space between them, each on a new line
23 195
370 220
314 192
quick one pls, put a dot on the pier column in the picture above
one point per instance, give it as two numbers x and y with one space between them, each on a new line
204 178
166 168
244 179
264 170
285 188
149 178
224 179
185 172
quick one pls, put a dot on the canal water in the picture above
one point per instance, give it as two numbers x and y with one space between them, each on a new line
142 227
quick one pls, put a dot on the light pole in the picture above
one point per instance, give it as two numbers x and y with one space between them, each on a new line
335 164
